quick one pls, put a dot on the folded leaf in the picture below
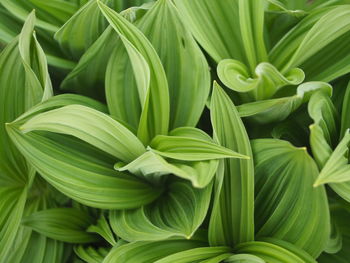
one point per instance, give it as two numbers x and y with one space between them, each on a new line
64 224
177 213
150 252
90 126
195 255
232 219
150 77
286 202
81 171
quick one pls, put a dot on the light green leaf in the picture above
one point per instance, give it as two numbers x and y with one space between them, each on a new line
91 126
103 229
232 219
63 224
81 171
187 72
337 167
149 251
190 149
215 25
244 258
195 255
273 110
90 254
345 120
273 253
177 213
286 203
150 77
266 81
86 25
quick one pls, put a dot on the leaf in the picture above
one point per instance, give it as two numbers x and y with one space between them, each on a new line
90 254
215 25
150 77
273 110
286 203
64 224
177 213
149 251
337 167
90 126
187 72
266 81
195 255
103 229
244 258
190 149
232 218
274 253
87 24
81 171
345 121
314 43
251 18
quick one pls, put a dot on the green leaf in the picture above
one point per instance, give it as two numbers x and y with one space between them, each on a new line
150 77
187 72
86 25
232 219
273 110
286 203
274 253
337 167
150 252
195 255
81 171
91 126
215 25
266 81
251 18
345 120
103 229
90 254
244 258
190 149
63 224
177 213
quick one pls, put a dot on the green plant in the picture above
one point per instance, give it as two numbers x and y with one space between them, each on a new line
174 131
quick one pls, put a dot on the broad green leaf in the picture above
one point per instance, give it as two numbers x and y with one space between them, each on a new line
190 149
81 171
286 203
187 72
337 167
251 21
273 110
273 253
266 81
103 229
150 76
86 25
215 25
90 254
178 212
345 120
149 252
244 258
154 166
324 130
91 126
195 255
63 224
232 219
314 45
